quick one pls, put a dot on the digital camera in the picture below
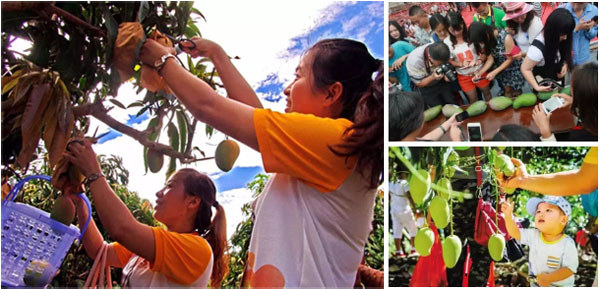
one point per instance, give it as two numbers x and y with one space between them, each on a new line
447 70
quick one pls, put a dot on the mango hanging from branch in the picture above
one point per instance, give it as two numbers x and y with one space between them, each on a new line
496 246
419 187
226 154
451 249
424 241
440 212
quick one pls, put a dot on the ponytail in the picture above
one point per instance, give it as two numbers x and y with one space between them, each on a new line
365 137
217 238
215 231
350 63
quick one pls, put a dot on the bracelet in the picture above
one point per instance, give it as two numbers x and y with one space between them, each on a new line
91 178
159 64
442 128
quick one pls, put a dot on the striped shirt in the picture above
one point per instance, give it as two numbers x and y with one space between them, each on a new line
547 257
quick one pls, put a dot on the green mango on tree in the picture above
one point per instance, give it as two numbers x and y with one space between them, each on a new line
451 249
440 212
424 241
418 188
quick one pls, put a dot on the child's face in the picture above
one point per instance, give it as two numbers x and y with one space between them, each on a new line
550 219
441 31
302 97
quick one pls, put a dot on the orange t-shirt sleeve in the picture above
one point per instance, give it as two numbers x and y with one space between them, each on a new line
299 145
122 253
592 156
182 258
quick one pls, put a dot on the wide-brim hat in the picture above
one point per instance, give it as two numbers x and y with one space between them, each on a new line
516 9
560 202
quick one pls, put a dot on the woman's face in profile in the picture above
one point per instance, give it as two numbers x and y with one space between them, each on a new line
394 33
520 19
441 31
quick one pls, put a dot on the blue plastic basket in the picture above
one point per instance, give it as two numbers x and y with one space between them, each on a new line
29 234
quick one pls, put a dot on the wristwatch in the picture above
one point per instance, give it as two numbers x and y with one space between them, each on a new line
160 63
91 178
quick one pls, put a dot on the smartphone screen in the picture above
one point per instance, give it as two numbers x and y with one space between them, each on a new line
462 116
474 130
552 104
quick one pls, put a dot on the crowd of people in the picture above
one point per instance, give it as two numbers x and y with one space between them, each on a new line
439 57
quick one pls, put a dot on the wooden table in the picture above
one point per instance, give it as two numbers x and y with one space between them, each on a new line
561 121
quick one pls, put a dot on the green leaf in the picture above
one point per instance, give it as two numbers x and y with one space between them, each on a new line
197 12
182 122
117 103
195 31
173 136
142 110
134 104
172 168
209 130
145 160
152 124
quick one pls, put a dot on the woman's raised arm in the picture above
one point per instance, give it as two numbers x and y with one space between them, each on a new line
226 115
235 84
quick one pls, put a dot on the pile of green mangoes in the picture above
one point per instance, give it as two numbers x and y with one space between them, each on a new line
496 104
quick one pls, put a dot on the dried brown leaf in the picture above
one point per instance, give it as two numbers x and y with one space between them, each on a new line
31 124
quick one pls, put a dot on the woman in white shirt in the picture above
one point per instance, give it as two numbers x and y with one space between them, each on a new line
549 56
525 23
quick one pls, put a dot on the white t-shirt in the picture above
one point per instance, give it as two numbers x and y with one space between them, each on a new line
547 257
462 52
537 55
398 197
313 218
524 39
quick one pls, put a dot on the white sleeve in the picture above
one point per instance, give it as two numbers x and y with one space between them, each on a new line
527 236
535 29
570 258
535 54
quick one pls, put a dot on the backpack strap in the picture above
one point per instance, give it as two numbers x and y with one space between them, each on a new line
542 48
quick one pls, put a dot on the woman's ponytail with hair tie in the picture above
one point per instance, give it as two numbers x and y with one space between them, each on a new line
216 204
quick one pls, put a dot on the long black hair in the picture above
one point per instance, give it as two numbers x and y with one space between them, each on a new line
403 34
456 21
350 63
560 22
214 230
482 33
584 88
406 114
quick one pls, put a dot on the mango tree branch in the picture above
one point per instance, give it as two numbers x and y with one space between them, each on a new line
98 111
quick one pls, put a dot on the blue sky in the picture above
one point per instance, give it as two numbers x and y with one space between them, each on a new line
361 21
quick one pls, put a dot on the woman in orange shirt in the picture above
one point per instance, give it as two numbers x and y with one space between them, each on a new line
189 253
313 218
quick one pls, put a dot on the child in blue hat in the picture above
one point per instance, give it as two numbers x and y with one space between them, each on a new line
553 258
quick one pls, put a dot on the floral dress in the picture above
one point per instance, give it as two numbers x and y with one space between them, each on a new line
511 76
